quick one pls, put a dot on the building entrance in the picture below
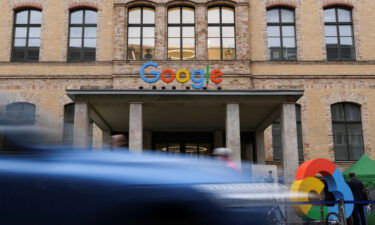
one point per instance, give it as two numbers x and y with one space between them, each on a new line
190 143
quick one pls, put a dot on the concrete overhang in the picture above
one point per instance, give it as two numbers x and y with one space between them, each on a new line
185 110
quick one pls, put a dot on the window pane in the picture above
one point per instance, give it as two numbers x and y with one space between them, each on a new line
20 42
75 32
18 54
214 48
227 15
174 16
33 54
148 48
352 112
289 43
134 32
341 153
149 32
345 30
188 32
174 48
188 48
90 17
213 31
347 53
34 42
337 111
332 53
74 54
344 15
329 15
228 48
134 48
346 41
22 17
273 16
20 32
75 42
174 32
90 42
76 17
287 16
332 41
214 15
90 32
148 16
274 42
34 32
228 31
339 130
187 15
290 53
273 31
134 16
89 54
35 17
331 30
288 31
355 141
356 153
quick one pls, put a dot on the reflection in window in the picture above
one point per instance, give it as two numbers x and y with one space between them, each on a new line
20 113
339 34
221 34
181 33
281 34
82 35
141 33
347 131
26 37
276 137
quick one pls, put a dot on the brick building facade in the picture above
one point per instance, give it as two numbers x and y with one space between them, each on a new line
323 82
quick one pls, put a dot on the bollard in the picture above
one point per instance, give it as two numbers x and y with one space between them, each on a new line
342 212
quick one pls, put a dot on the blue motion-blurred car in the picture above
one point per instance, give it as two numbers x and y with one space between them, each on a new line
107 188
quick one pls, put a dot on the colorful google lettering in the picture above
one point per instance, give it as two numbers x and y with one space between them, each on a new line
198 81
306 182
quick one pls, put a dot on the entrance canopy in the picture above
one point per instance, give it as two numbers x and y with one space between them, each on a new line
168 110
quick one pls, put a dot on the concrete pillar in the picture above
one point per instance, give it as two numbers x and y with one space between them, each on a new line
135 126
233 137
201 29
259 136
81 128
147 139
289 141
160 32
218 139
106 138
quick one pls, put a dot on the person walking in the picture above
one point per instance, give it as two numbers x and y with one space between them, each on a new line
225 155
359 195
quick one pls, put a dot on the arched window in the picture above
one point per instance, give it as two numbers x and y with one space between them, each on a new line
141 33
26 35
281 34
221 33
276 137
339 34
20 113
82 35
347 131
181 33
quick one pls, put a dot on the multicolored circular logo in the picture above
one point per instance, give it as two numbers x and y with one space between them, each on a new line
306 182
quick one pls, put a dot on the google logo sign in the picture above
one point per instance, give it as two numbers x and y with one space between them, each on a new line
198 77
307 183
